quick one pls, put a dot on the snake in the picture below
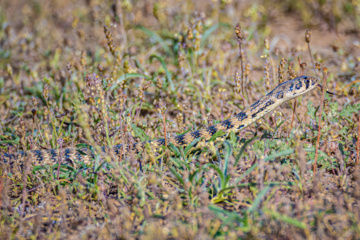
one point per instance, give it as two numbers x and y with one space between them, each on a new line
282 93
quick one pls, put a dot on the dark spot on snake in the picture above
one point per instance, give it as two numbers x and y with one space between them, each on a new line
38 155
68 161
180 140
161 141
227 124
67 154
241 116
280 95
241 126
298 85
117 151
270 102
78 155
212 130
195 134
255 104
291 87
53 154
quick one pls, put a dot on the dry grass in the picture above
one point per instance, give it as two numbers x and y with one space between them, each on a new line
90 74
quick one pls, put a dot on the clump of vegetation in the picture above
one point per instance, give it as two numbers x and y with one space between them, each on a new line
92 75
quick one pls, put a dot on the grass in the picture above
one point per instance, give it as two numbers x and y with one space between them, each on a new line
94 75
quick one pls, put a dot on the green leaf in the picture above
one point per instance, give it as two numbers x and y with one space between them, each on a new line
168 74
228 152
218 170
157 38
349 110
258 200
174 149
284 218
210 30
216 135
125 77
177 175
242 150
139 133
191 145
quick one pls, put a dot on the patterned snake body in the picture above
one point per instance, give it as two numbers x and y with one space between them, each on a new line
282 93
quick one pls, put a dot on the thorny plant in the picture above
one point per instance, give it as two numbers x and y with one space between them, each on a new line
97 75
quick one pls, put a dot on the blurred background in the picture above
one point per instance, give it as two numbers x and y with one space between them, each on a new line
58 31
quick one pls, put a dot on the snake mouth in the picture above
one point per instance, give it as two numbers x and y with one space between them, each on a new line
321 87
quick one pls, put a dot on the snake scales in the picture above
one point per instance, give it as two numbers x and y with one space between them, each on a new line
282 93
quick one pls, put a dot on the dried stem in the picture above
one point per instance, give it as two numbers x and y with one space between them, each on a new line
240 37
138 110
60 142
312 59
242 69
24 192
319 122
293 116
358 144
163 115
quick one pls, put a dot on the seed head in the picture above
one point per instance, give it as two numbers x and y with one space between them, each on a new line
190 34
34 101
267 78
266 43
247 70
291 71
109 40
281 70
307 36
46 92
159 83
237 81
238 32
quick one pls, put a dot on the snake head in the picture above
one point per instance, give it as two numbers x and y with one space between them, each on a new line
300 85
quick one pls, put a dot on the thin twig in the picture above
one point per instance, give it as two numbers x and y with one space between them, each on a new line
24 193
163 115
242 69
358 144
293 116
319 122
138 110
312 59
60 142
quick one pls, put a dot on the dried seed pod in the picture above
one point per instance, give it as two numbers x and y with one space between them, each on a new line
46 92
109 39
307 36
238 32
247 70
34 101
281 71
267 78
237 81
266 43
291 71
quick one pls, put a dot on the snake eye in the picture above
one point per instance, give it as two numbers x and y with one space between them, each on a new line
307 82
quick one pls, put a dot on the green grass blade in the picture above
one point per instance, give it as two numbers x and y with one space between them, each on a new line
242 150
157 38
210 30
258 200
125 77
284 218
168 74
